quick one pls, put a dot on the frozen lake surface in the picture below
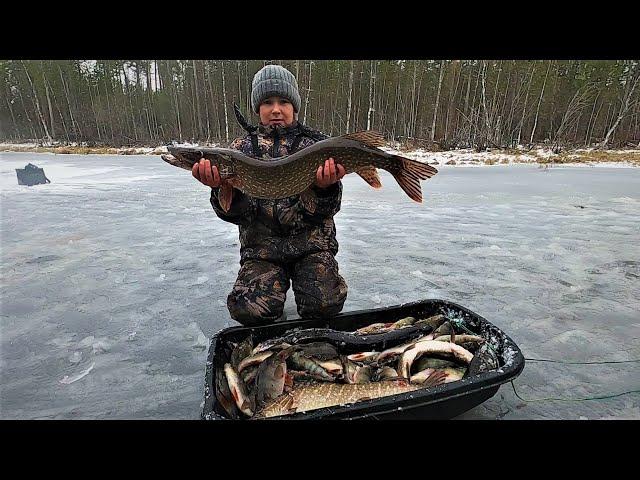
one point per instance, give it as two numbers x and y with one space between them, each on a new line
115 276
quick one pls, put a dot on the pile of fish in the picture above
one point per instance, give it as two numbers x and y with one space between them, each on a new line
307 370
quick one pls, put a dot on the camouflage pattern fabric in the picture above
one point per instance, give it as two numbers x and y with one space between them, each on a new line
281 241
259 293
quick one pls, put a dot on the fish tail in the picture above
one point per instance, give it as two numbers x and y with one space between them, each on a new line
417 169
409 175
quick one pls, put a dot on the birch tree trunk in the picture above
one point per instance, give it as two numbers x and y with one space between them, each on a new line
306 101
46 89
466 98
409 133
524 108
197 98
216 114
350 96
224 101
487 120
26 112
452 95
535 122
587 137
372 80
35 98
396 108
631 84
74 125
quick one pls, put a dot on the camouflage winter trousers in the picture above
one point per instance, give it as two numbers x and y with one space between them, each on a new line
259 293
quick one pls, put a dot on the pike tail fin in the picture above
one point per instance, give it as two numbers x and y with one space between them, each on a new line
409 175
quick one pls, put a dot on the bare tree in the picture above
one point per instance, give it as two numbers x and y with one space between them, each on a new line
435 108
535 123
372 82
35 98
631 82
224 100
524 107
579 101
306 101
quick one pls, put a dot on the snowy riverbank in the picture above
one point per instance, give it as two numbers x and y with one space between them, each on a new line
461 157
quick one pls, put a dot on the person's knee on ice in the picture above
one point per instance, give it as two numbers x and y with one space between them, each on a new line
258 311
319 288
259 293
332 306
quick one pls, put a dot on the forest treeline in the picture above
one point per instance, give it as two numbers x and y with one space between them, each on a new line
439 104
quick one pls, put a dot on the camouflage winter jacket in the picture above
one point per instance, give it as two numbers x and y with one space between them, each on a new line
281 230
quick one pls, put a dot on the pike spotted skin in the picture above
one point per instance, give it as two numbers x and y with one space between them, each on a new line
315 396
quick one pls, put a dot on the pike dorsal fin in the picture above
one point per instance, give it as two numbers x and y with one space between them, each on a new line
370 138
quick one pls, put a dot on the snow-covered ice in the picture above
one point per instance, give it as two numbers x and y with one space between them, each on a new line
115 276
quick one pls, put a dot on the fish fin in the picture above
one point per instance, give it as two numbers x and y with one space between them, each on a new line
289 403
436 378
225 196
370 138
417 169
410 185
370 175
410 174
247 408
309 201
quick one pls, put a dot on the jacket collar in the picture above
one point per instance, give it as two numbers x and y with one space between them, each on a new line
271 130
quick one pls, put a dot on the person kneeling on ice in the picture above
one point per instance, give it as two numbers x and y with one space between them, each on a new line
280 240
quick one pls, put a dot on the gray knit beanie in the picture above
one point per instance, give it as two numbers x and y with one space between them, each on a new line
274 81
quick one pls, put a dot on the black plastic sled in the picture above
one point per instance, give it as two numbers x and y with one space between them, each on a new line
439 402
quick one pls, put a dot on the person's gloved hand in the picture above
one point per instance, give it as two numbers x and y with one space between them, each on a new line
206 174
329 174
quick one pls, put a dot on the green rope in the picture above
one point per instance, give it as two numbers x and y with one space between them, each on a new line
571 399
579 363
459 322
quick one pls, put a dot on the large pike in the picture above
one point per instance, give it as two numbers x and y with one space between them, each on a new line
291 175
314 396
